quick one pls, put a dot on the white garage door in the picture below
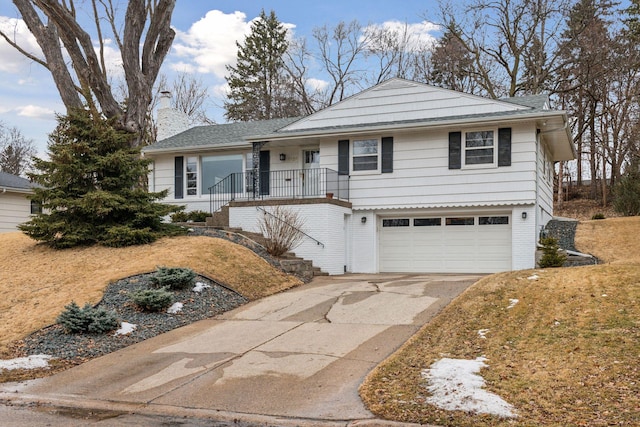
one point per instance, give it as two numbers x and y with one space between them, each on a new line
446 244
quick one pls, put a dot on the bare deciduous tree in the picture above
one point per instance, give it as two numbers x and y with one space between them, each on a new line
339 49
16 151
506 39
144 42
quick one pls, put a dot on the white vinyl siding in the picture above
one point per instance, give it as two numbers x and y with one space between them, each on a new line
15 209
421 178
399 101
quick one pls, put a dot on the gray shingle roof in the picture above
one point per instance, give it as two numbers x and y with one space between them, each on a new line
219 135
533 101
14 182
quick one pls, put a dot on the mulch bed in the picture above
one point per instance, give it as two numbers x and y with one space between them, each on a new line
54 341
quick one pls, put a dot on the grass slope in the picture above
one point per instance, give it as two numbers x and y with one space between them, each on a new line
565 355
36 282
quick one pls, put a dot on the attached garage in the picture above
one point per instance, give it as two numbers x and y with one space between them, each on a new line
457 243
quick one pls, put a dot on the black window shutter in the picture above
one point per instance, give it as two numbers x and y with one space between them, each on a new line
265 175
504 147
387 154
455 150
178 181
343 157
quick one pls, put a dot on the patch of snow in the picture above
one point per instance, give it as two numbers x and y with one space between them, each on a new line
483 333
512 303
455 385
199 287
533 277
125 328
175 308
30 362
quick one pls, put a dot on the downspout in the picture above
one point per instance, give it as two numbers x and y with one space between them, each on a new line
536 214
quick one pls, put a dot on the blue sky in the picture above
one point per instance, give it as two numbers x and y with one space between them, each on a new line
207 31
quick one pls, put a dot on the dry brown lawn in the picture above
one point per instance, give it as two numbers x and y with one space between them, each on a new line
36 282
565 355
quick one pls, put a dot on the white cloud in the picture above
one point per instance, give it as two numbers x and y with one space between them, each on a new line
35 112
112 59
316 85
419 34
27 82
220 91
12 60
211 41
183 67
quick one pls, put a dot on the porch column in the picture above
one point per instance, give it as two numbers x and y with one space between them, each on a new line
257 146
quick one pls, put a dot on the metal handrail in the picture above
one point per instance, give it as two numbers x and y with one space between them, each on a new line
281 184
318 242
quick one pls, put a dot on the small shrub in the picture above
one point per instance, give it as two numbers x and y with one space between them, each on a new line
152 299
120 236
179 217
551 256
195 216
89 319
173 278
198 216
282 229
598 216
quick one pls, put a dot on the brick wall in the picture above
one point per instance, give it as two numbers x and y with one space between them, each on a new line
523 238
324 222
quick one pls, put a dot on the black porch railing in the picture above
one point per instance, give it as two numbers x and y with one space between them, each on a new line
285 184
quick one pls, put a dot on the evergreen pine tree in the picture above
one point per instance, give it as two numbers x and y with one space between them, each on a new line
259 86
627 190
90 188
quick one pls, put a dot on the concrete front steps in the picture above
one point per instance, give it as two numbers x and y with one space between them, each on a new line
289 262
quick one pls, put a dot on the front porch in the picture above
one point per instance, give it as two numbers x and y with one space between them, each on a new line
293 186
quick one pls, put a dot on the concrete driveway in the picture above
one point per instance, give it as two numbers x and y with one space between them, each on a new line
299 355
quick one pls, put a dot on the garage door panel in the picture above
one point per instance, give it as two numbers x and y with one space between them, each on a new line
479 248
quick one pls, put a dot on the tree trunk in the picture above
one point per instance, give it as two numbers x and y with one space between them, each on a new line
593 154
140 67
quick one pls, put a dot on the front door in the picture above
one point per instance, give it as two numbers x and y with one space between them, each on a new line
311 172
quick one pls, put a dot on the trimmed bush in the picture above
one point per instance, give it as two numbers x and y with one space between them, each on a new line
179 217
152 299
551 257
173 278
598 216
198 216
121 235
87 320
195 216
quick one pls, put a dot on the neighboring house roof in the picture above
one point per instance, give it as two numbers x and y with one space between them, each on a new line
14 183
228 134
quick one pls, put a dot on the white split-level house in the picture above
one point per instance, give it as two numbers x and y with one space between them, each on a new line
15 207
421 179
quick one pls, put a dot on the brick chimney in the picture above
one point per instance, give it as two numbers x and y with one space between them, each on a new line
170 121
